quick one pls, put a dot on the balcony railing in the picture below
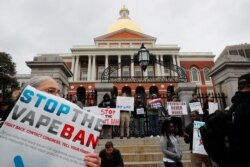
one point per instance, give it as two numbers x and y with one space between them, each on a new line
145 79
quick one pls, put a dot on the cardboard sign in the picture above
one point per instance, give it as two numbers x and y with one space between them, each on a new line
196 106
111 116
177 108
125 103
198 146
212 107
155 103
140 111
45 130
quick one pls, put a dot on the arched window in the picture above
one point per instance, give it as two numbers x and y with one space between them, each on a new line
195 74
206 72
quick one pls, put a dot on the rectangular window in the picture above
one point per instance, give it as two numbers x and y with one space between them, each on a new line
233 52
150 70
138 71
114 73
125 71
166 71
247 51
100 71
241 52
84 74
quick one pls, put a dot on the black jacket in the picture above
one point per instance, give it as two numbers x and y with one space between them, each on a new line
115 161
139 104
189 130
107 102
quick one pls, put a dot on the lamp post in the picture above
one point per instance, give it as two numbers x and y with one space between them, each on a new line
143 57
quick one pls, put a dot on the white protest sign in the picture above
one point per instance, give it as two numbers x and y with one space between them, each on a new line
196 106
155 103
140 111
177 108
212 107
111 116
125 103
198 146
45 130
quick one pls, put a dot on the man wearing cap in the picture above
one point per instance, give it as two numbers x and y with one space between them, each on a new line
153 108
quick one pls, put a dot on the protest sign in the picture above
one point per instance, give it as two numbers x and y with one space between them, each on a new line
125 103
198 146
212 107
140 111
155 103
196 106
111 116
45 130
177 108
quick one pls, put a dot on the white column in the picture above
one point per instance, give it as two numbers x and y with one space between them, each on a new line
73 67
145 73
162 67
174 63
106 61
76 69
89 68
158 66
178 60
94 69
132 67
119 62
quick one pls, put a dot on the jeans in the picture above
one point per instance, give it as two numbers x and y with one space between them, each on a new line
154 124
173 164
139 126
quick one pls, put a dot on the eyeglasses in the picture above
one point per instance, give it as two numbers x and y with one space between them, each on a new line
52 91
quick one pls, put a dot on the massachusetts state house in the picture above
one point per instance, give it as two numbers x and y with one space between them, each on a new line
114 58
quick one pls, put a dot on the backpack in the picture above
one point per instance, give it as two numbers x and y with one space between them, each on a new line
221 135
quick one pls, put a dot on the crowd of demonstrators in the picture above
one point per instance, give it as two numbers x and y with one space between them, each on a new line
196 159
177 120
77 101
138 116
170 145
107 102
49 85
153 116
110 156
124 121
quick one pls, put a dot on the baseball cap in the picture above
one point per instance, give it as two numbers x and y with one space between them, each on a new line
244 81
154 95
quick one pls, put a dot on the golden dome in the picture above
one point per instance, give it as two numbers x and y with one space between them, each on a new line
124 22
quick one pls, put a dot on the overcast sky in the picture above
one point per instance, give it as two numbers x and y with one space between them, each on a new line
30 27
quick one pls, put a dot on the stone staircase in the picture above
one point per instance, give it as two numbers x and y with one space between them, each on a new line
143 152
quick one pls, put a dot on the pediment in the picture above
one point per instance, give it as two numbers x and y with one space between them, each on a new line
125 34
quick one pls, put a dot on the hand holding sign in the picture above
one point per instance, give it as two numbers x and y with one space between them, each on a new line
50 129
